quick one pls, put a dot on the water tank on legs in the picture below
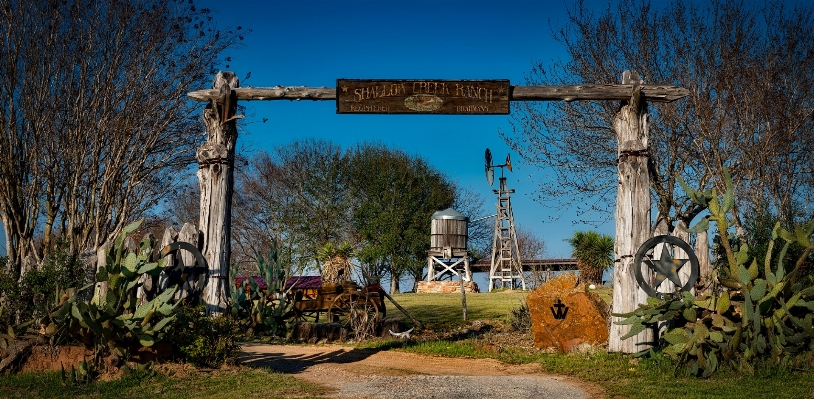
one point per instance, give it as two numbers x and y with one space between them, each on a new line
448 232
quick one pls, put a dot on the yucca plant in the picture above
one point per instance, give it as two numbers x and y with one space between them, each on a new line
594 254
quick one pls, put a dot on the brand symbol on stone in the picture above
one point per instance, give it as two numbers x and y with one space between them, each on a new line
561 311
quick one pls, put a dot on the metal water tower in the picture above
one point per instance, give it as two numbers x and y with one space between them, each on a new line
448 239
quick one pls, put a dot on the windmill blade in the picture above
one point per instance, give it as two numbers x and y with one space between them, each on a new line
488 156
490 175
509 162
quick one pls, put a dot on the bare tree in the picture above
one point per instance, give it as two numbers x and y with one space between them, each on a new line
296 195
481 227
748 70
96 124
531 247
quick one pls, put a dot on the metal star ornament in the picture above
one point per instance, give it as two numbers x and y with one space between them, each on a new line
666 268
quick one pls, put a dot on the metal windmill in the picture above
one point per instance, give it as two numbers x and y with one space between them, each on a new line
506 264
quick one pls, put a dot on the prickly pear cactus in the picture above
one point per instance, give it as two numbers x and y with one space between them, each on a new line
763 313
112 322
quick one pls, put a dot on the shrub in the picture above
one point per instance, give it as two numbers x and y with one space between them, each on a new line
40 289
257 311
113 322
520 318
205 341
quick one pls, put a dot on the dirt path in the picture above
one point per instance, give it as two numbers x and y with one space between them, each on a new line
368 373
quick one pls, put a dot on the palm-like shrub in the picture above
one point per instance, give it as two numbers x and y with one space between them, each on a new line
594 254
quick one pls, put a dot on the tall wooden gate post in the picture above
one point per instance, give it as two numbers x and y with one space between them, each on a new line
216 175
632 214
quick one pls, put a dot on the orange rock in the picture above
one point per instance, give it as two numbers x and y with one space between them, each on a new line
565 315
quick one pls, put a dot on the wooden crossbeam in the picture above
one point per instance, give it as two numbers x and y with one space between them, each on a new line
654 93
447 268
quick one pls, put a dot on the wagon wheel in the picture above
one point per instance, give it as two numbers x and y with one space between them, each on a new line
310 316
339 311
364 317
376 294
356 312
378 300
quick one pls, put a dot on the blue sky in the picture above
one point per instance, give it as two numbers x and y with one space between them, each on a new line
314 42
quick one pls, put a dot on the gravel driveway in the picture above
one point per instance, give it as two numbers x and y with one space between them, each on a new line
369 373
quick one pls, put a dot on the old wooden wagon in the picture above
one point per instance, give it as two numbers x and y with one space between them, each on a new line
344 303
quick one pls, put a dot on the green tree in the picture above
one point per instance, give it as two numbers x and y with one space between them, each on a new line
397 195
594 253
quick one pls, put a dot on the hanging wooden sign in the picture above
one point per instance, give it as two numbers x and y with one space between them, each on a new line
456 97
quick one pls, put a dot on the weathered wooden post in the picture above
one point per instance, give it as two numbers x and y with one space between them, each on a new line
632 214
216 175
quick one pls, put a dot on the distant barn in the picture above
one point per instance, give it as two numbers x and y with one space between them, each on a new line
307 285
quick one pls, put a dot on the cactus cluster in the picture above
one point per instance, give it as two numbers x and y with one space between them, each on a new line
112 323
764 312
259 312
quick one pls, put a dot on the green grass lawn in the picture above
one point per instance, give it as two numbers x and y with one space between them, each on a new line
444 311
236 383
620 376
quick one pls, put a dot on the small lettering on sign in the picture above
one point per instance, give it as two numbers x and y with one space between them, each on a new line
422 96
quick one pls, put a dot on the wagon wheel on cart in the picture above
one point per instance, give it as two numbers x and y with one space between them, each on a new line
310 316
358 312
376 294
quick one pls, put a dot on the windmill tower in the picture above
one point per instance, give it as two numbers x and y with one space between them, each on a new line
506 265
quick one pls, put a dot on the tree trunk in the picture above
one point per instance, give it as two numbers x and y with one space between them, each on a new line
216 175
394 285
681 232
632 215
704 267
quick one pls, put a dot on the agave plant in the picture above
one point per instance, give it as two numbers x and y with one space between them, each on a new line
263 312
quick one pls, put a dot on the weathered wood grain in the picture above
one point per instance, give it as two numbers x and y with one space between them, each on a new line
704 266
632 217
652 93
271 93
216 176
